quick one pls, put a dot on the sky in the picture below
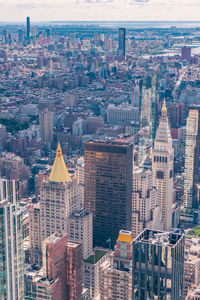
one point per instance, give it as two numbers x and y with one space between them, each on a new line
100 10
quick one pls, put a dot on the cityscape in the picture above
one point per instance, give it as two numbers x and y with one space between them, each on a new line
99 160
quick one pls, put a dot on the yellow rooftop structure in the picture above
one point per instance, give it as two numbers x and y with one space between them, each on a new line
164 107
125 236
59 172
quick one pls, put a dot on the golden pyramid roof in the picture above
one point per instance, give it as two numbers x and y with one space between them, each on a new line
59 172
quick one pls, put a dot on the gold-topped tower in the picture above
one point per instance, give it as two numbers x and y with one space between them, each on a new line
59 172
164 107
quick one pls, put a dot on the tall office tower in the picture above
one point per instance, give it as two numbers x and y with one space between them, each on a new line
80 231
136 96
35 235
158 260
11 241
122 41
58 198
145 210
186 53
21 35
74 271
28 29
80 180
46 126
48 32
54 259
162 165
2 136
192 160
108 188
116 271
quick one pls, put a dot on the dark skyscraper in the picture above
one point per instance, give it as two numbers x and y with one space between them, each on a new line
186 53
158 261
20 35
122 41
108 188
28 29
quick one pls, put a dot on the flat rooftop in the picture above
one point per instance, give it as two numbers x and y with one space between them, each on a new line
159 237
93 259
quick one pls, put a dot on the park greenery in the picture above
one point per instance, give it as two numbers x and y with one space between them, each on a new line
13 126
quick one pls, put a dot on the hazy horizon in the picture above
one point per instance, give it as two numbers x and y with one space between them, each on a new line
100 10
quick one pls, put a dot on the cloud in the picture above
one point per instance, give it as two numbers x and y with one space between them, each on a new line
99 1
116 10
141 1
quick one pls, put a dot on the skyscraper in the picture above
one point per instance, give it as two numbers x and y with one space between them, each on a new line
80 231
162 165
145 210
158 260
192 160
108 188
74 271
186 53
46 126
58 198
28 29
11 241
122 41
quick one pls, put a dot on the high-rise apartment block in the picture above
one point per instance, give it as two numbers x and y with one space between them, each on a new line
191 265
80 180
11 241
116 271
80 230
46 126
192 154
145 210
74 271
122 41
162 165
158 263
2 136
91 271
35 235
108 188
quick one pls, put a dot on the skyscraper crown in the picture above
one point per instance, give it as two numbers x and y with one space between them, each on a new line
59 172
164 108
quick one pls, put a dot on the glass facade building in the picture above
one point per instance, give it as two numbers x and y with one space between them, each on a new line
108 188
158 264
11 244
122 41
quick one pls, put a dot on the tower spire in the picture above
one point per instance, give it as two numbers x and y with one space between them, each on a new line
59 172
164 108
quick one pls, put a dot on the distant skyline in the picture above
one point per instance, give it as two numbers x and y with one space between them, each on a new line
100 10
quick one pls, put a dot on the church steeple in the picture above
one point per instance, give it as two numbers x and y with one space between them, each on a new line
59 172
